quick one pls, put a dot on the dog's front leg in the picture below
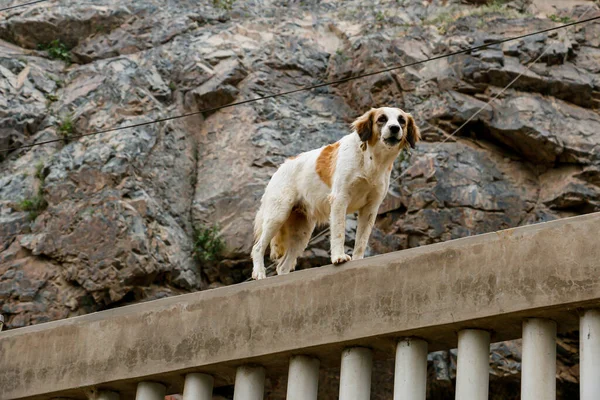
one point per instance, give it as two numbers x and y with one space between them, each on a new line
366 219
337 222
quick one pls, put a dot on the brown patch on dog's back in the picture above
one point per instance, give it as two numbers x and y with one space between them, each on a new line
326 163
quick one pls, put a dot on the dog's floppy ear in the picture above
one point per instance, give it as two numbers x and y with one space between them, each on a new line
413 135
364 125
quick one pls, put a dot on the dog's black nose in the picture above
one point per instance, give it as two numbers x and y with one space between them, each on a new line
394 128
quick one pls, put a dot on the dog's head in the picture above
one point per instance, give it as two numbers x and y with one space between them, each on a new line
390 127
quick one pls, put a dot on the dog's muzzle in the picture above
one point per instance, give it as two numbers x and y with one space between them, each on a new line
395 136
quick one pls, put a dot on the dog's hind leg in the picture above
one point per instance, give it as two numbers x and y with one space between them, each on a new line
298 229
278 243
277 212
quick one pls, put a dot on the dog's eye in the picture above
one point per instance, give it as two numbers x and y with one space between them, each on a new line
382 119
401 120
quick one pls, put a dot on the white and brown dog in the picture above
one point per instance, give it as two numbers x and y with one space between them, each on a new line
325 184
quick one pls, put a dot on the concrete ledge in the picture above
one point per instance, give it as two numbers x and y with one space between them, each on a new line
489 281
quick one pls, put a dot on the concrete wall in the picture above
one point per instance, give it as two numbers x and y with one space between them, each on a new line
489 281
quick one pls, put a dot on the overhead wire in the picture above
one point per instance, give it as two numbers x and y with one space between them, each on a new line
23 5
302 89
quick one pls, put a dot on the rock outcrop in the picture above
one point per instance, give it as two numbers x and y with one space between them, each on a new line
98 221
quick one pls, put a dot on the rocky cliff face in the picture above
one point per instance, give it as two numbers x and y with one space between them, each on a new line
100 221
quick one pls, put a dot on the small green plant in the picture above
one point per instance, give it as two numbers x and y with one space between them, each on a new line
224 4
66 128
562 20
36 204
57 50
51 97
59 82
208 245
380 16
39 171
341 55
172 86
492 8
499 7
495 5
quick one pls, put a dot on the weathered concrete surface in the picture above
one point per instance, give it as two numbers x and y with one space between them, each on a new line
489 281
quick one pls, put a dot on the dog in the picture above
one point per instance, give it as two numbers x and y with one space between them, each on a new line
325 184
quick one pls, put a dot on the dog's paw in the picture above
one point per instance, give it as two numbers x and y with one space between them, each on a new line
261 274
340 259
